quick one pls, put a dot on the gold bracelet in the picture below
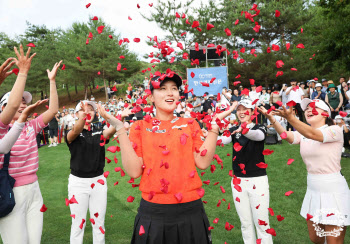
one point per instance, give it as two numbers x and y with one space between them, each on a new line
214 132
21 74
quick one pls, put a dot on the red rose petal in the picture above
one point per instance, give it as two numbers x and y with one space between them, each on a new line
130 199
43 208
288 193
290 161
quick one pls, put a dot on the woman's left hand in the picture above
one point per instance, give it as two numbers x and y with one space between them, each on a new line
285 113
103 112
52 74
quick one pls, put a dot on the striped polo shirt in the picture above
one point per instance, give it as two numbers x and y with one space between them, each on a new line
24 159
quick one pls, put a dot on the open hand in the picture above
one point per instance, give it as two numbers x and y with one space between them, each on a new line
285 113
52 74
126 112
83 111
29 110
103 112
4 69
263 111
23 62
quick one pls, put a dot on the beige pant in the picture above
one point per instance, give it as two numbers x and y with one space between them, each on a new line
25 223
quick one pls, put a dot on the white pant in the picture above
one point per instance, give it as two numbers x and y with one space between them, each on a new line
94 199
25 223
249 216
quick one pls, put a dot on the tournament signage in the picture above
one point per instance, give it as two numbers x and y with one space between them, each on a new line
205 75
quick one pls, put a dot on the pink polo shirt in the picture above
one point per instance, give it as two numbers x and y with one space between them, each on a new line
322 157
24 159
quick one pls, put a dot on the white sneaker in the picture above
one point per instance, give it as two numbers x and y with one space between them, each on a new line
50 145
54 144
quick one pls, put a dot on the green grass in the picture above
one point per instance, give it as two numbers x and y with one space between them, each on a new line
53 178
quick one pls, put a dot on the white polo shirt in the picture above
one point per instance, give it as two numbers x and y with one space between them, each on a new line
295 95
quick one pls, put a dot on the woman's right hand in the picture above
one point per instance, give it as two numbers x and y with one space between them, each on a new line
126 112
29 110
82 113
23 62
4 69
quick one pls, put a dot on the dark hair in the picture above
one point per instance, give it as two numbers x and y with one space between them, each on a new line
329 121
293 80
182 112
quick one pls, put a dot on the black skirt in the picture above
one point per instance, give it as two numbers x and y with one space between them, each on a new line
172 224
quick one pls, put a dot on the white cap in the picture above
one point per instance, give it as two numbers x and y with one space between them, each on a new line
247 103
211 95
312 80
318 85
318 103
338 117
78 107
4 100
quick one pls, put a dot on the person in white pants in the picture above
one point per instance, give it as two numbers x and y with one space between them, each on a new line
250 187
94 199
87 187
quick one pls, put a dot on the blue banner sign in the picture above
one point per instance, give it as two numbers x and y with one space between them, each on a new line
205 75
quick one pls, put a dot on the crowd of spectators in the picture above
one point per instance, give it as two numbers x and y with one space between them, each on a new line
270 97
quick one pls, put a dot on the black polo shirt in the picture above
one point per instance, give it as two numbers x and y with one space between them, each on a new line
87 155
250 154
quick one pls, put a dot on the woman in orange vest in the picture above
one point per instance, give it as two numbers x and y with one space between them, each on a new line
165 151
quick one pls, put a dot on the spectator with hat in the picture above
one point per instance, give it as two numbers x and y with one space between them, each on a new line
334 99
311 87
207 103
318 93
325 85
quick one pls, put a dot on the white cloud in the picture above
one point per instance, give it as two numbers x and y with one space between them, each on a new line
62 13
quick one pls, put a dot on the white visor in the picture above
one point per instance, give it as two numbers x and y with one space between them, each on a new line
78 107
318 103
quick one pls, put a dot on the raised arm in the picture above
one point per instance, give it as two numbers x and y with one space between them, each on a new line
132 163
301 127
7 142
278 127
23 63
53 105
108 133
78 126
4 69
203 162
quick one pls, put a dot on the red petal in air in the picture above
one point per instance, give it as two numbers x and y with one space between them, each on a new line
277 14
